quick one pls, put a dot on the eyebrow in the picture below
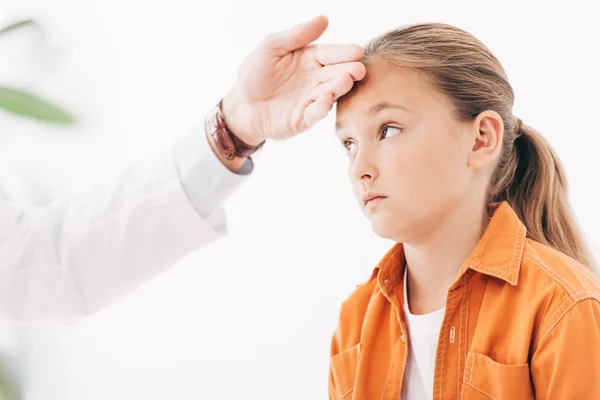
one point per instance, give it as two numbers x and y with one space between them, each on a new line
376 109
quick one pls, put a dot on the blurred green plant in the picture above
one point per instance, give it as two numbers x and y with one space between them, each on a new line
11 387
27 104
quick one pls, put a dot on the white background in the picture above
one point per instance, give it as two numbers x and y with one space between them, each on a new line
252 315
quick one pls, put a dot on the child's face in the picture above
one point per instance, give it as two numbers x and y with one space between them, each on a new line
420 162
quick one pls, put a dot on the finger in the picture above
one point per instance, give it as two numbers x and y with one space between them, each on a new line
337 87
328 54
317 110
356 70
298 36
324 97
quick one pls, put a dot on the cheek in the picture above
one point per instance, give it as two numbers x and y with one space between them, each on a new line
444 169
427 172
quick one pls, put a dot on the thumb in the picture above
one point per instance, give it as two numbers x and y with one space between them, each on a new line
300 35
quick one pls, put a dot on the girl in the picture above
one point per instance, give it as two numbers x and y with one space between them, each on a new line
489 291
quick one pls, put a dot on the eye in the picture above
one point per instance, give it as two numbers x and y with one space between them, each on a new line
388 131
349 146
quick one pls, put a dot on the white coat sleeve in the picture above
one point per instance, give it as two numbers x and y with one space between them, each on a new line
81 253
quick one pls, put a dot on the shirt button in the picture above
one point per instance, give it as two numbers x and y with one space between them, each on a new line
386 281
403 338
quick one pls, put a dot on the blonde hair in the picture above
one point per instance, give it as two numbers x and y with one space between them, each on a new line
529 175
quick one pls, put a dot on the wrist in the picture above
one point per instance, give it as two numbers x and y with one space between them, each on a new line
231 150
237 115
234 165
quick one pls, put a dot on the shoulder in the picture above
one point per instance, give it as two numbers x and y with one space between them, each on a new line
557 284
559 272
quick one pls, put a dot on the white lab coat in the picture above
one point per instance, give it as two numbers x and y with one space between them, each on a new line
79 254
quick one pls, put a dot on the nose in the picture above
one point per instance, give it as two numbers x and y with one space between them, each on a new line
363 167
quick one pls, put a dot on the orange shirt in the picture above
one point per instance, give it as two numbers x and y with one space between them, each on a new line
522 321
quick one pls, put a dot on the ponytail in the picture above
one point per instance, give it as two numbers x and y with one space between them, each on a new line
534 183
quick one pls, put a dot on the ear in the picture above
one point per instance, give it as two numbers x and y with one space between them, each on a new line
487 136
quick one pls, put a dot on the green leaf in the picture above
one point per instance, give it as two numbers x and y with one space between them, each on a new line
11 387
30 106
16 26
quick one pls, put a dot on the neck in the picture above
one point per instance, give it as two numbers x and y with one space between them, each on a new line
434 262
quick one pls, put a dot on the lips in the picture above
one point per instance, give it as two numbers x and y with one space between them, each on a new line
368 197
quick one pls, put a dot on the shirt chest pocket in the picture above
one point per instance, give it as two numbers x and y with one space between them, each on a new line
344 366
486 379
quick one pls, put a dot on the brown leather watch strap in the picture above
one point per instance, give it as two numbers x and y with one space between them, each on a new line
228 144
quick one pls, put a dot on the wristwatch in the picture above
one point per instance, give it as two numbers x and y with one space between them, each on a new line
229 145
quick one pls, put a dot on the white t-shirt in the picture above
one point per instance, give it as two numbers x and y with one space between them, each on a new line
423 336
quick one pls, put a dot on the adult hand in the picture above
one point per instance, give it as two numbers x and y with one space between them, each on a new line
287 84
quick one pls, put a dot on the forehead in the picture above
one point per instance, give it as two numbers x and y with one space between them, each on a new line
386 83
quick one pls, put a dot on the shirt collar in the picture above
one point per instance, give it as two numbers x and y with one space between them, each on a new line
498 253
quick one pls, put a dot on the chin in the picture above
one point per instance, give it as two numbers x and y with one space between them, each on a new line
387 229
